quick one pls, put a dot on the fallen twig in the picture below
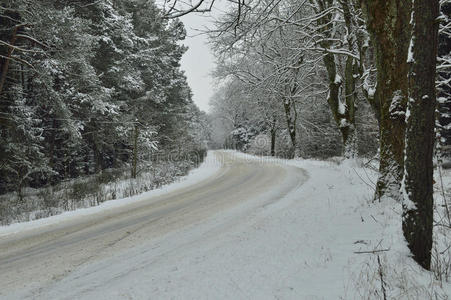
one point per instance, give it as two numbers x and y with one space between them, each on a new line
371 251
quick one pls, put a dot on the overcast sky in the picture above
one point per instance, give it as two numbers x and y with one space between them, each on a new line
198 61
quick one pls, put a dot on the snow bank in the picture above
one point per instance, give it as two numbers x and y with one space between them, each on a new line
209 167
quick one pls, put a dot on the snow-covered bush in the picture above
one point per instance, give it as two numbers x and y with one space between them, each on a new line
92 190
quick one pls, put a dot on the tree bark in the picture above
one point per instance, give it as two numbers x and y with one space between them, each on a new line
444 86
418 176
291 118
273 136
343 110
5 66
355 16
350 143
388 24
273 143
135 152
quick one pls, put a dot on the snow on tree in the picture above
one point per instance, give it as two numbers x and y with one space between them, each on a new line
417 184
79 81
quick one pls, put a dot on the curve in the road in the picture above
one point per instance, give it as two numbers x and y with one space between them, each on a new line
33 259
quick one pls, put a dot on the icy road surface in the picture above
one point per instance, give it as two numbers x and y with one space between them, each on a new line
146 249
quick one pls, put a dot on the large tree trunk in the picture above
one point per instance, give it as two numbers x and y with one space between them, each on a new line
354 16
418 176
352 69
444 86
350 136
343 110
388 23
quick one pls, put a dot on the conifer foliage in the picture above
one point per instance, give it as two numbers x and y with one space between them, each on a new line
89 85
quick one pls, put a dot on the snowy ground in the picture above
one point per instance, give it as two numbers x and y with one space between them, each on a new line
310 244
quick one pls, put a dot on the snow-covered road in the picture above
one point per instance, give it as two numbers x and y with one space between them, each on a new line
238 227
120 252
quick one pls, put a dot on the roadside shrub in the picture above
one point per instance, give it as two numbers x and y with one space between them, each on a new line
92 190
81 190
